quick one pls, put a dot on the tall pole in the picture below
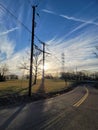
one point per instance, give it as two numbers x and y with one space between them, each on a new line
63 62
32 51
43 61
43 71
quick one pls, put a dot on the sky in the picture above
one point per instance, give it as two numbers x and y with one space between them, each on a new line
67 26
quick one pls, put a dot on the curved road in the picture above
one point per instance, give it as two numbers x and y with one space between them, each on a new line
75 110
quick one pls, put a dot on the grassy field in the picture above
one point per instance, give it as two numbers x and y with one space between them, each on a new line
20 87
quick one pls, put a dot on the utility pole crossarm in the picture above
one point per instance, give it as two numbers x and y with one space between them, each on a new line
41 50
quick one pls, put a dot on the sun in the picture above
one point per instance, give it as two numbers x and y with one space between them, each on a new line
45 67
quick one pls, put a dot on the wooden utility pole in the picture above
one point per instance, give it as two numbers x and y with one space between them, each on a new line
43 63
41 90
32 51
43 66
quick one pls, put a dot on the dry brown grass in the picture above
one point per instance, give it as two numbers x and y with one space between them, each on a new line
20 87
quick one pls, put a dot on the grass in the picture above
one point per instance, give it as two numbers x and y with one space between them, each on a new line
13 87
20 87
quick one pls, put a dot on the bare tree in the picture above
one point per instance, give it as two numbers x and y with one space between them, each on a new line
37 59
37 62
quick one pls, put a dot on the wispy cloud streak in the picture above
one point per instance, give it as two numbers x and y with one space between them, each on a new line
8 31
78 51
71 18
48 11
78 20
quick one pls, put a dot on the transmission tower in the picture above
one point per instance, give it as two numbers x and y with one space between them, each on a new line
63 62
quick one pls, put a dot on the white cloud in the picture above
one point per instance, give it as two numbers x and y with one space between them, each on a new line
8 31
75 29
2 12
15 61
48 11
78 20
78 51
71 18
6 46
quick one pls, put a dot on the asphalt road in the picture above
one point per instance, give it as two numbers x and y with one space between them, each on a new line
75 110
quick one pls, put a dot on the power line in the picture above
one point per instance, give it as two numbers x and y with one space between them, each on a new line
21 23
39 40
54 55
36 47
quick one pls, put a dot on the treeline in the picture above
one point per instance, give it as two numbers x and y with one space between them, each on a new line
78 76
3 71
4 74
2 77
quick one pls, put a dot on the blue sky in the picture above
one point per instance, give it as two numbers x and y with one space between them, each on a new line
67 26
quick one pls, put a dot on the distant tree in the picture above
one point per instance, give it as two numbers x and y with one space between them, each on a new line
3 71
49 76
96 76
63 76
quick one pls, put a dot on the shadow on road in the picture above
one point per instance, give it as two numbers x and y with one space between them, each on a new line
6 124
26 116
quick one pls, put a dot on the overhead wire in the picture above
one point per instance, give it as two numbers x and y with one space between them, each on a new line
54 56
27 29
20 22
